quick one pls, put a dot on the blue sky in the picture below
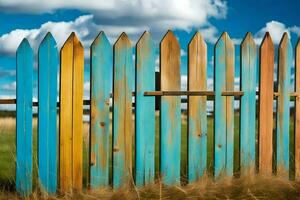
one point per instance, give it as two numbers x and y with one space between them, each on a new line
34 18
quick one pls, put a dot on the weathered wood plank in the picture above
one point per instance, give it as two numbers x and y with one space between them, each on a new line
122 111
145 111
170 113
297 112
197 119
248 105
24 119
224 110
266 89
48 62
71 108
283 106
101 86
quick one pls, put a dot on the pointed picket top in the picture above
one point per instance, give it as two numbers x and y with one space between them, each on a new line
267 42
146 37
169 37
285 42
248 39
48 40
122 40
72 40
197 38
24 45
101 38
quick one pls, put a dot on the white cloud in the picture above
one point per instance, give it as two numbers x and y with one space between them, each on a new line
157 14
9 86
276 30
182 53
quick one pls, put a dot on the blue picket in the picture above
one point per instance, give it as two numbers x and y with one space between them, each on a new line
24 118
122 111
145 111
170 110
101 85
47 116
224 110
283 105
248 104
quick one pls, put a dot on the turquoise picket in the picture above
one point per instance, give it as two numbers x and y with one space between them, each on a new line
101 86
123 78
48 62
145 111
283 105
170 110
248 104
224 110
24 118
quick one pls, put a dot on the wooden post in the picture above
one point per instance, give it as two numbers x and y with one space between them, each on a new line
145 111
122 111
24 119
266 90
101 86
249 63
297 112
197 119
170 111
71 110
224 110
47 114
283 106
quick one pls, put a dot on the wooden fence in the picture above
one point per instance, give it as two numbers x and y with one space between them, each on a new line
117 62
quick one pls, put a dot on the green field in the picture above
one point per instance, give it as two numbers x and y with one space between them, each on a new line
7 150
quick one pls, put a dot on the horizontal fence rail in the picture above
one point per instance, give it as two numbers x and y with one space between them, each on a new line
138 90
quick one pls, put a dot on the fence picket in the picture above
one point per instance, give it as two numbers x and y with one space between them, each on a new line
297 111
248 105
197 119
101 85
224 110
71 110
283 106
170 113
47 96
24 118
122 111
266 93
145 111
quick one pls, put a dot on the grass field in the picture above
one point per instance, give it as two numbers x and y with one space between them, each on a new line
239 188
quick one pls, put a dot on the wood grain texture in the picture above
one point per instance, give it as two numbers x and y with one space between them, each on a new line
224 110
283 106
297 112
145 111
249 61
170 111
122 111
71 109
48 62
197 119
24 119
101 86
266 89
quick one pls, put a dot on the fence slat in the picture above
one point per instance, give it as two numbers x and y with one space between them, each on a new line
197 119
24 118
224 111
145 111
248 104
47 96
71 109
266 89
122 111
170 113
283 106
297 112
101 85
